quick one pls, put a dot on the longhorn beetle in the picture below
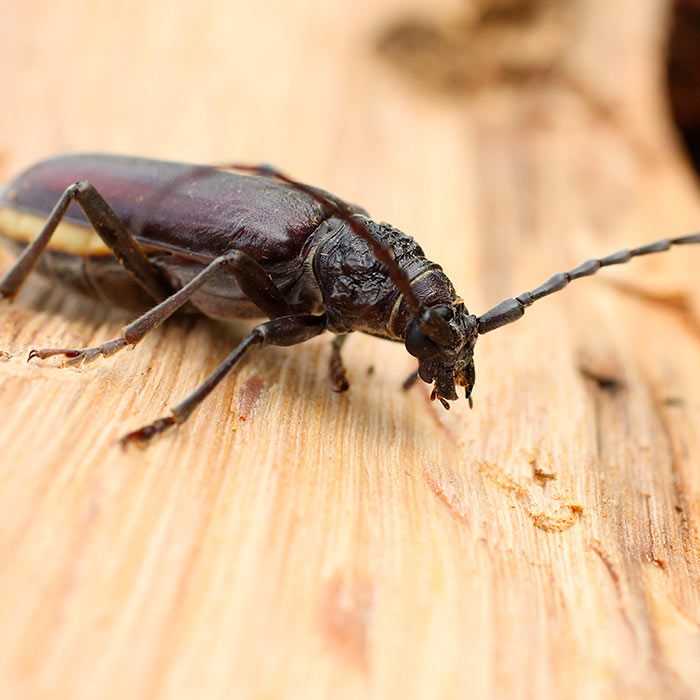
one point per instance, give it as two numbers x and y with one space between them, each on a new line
244 242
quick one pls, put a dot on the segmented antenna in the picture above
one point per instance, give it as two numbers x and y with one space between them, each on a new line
511 310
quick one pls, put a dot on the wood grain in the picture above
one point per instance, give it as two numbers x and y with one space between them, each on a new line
289 542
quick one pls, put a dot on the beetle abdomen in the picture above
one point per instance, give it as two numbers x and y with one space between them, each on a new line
22 227
99 277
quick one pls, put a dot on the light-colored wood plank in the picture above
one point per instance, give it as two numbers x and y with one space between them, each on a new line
291 542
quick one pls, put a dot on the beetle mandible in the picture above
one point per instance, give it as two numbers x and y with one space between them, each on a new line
244 242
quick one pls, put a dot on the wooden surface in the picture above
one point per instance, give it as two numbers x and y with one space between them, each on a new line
289 542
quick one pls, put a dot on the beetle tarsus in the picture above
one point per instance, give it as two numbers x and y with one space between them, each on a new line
147 432
50 352
76 356
339 380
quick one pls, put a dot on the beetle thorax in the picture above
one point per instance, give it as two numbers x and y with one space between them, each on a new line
357 289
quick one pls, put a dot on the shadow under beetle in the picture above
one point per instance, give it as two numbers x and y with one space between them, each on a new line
157 236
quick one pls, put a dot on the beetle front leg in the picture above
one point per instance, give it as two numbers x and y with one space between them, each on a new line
290 330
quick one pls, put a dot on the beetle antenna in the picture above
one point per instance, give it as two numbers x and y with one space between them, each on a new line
511 310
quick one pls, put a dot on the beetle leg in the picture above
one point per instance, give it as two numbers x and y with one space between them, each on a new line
252 279
110 229
339 380
256 284
82 355
289 330
410 380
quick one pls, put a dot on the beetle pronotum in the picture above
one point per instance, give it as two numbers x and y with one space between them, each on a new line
156 236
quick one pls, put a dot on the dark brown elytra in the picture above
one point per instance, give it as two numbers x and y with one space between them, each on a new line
245 244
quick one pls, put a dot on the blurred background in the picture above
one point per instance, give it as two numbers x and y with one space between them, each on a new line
290 542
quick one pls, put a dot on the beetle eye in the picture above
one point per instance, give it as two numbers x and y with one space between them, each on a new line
419 345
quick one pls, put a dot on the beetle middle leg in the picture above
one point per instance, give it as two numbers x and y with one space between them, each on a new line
289 330
251 278
339 380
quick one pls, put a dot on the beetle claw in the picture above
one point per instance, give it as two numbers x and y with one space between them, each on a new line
43 353
78 356
147 432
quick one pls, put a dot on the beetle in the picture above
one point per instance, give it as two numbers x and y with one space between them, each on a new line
247 242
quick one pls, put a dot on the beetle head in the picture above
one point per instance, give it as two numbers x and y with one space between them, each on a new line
443 339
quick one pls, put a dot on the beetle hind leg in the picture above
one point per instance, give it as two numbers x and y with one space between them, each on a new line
122 245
